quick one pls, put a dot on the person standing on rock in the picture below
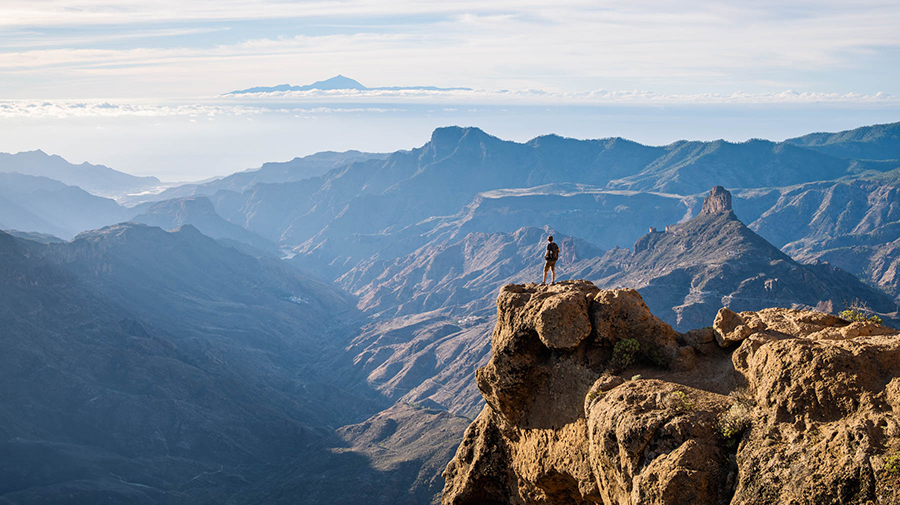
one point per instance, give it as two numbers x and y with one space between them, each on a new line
550 260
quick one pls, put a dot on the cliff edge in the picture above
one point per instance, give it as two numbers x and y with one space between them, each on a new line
593 399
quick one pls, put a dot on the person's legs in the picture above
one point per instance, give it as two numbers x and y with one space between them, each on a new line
546 267
553 269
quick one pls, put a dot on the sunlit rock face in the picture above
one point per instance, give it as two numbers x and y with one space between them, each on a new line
719 415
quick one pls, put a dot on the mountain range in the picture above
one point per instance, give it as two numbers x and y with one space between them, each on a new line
40 204
296 169
878 142
461 170
310 331
96 179
144 366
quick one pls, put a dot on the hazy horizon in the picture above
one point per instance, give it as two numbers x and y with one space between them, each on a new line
184 148
139 87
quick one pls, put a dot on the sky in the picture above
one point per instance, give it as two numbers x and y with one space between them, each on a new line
140 85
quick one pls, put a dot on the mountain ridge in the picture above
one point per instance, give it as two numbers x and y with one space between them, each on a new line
98 179
469 161
876 142
41 204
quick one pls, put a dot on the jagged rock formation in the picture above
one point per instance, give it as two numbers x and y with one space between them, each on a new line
714 260
788 407
718 201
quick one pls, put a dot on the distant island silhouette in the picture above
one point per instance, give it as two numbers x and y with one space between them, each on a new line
337 82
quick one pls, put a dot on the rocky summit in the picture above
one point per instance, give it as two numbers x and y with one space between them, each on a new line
592 399
718 201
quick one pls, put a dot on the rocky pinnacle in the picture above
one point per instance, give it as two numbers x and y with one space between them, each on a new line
717 202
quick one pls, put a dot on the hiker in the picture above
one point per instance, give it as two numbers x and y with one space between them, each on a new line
551 257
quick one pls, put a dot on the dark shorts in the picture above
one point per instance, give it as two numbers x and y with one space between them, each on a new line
550 264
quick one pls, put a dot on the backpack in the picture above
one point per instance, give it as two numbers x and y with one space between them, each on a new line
552 252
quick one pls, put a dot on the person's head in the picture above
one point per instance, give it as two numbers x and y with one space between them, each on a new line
550 238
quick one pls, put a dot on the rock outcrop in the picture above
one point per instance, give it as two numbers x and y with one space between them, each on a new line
768 407
717 202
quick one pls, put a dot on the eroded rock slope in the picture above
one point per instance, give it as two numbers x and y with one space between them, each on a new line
768 407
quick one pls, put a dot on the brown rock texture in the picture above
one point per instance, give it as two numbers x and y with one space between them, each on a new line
777 406
717 202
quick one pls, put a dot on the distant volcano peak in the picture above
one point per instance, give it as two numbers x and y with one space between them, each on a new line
338 82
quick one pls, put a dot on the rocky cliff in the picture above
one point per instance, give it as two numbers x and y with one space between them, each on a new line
592 399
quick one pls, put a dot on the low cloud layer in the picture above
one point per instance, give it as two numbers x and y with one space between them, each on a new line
105 109
293 102
537 96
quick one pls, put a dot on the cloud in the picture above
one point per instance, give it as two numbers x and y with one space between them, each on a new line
64 109
19 13
31 39
292 103
672 48
596 97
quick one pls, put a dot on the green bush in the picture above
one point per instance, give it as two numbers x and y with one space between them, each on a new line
892 463
859 314
625 353
681 403
734 421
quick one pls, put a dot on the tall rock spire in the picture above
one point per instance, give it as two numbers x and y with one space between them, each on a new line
717 202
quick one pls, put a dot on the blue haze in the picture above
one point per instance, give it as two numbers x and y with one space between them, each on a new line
181 148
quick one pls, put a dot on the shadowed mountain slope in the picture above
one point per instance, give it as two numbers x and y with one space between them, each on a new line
40 204
395 457
199 212
825 210
141 366
96 179
853 225
43 238
603 217
454 275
